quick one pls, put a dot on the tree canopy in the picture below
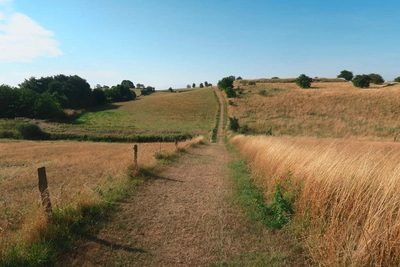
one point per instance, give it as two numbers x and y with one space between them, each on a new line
347 75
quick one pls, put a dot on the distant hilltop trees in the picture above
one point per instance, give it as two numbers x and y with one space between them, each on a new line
48 97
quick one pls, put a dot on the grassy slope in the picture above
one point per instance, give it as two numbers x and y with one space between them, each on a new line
337 110
161 113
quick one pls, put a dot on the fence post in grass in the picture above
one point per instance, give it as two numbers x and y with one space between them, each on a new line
135 152
44 191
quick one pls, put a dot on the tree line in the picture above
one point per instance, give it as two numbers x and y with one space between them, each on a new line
48 97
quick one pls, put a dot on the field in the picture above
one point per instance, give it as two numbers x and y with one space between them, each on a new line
161 114
76 172
345 194
327 109
331 166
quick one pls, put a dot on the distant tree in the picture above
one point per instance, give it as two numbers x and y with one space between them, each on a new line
188 86
209 84
304 81
347 75
206 84
171 90
362 81
119 93
397 79
128 84
275 77
193 85
226 82
376 78
99 97
239 78
148 90
139 86
98 86
201 85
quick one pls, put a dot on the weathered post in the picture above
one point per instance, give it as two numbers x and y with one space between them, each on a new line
135 152
44 191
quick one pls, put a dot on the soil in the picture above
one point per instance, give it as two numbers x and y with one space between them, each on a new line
184 217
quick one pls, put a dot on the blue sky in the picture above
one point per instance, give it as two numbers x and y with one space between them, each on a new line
172 43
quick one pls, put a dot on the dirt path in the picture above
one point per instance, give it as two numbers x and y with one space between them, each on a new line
185 217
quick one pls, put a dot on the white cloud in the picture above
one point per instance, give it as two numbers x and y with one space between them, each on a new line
23 39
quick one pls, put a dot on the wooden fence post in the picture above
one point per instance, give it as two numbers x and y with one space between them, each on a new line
44 191
135 154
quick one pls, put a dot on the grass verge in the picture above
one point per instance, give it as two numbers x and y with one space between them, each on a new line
215 130
48 238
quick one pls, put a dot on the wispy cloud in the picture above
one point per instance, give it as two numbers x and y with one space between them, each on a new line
22 39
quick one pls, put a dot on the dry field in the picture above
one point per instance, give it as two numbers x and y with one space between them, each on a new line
334 109
75 172
347 203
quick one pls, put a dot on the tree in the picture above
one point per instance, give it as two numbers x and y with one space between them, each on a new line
376 78
362 81
206 84
99 97
139 86
304 81
397 79
193 85
188 86
201 85
239 78
347 75
128 84
171 90
226 82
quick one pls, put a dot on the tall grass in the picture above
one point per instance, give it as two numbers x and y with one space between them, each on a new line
346 194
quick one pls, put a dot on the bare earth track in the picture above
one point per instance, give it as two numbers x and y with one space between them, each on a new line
185 217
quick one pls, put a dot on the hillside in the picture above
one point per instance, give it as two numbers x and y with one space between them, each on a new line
161 115
327 109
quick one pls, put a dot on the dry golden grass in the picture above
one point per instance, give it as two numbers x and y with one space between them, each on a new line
75 171
336 110
347 207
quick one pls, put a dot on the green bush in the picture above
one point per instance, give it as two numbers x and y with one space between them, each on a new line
230 92
304 81
31 131
397 79
234 124
376 78
362 81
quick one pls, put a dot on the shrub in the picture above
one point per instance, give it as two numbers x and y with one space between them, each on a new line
262 92
347 75
230 102
376 78
244 129
362 81
230 92
234 124
397 79
304 81
31 131
252 83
